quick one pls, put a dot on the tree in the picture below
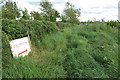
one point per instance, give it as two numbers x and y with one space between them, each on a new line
10 10
36 15
25 16
64 18
49 13
70 14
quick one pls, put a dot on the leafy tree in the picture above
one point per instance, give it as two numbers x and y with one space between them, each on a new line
25 16
10 10
48 11
36 15
70 14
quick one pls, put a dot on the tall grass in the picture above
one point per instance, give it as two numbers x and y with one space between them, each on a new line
75 52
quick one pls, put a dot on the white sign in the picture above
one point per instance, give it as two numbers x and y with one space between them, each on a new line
20 47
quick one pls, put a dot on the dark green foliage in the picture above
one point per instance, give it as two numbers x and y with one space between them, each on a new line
113 23
49 13
6 55
36 15
17 29
10 10
70 14
25 16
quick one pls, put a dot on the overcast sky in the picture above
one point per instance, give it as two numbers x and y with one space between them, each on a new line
90 9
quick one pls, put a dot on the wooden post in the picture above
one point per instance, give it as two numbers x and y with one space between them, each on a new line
29 42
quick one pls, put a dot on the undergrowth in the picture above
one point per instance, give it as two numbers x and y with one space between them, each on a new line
72 52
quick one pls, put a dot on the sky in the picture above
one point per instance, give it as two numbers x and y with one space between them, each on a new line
90 9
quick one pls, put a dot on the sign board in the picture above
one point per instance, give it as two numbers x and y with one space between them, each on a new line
20 47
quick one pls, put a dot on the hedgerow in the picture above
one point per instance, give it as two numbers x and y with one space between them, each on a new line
13 29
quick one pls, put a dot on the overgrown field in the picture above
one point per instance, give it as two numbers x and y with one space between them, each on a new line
64 52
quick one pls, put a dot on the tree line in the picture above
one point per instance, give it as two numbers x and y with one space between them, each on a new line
70 14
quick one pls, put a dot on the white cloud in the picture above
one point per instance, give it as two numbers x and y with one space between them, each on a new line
24 4
90 9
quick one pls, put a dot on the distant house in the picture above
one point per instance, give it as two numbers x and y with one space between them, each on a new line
58 19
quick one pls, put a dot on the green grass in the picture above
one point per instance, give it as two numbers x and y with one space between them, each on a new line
75 52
